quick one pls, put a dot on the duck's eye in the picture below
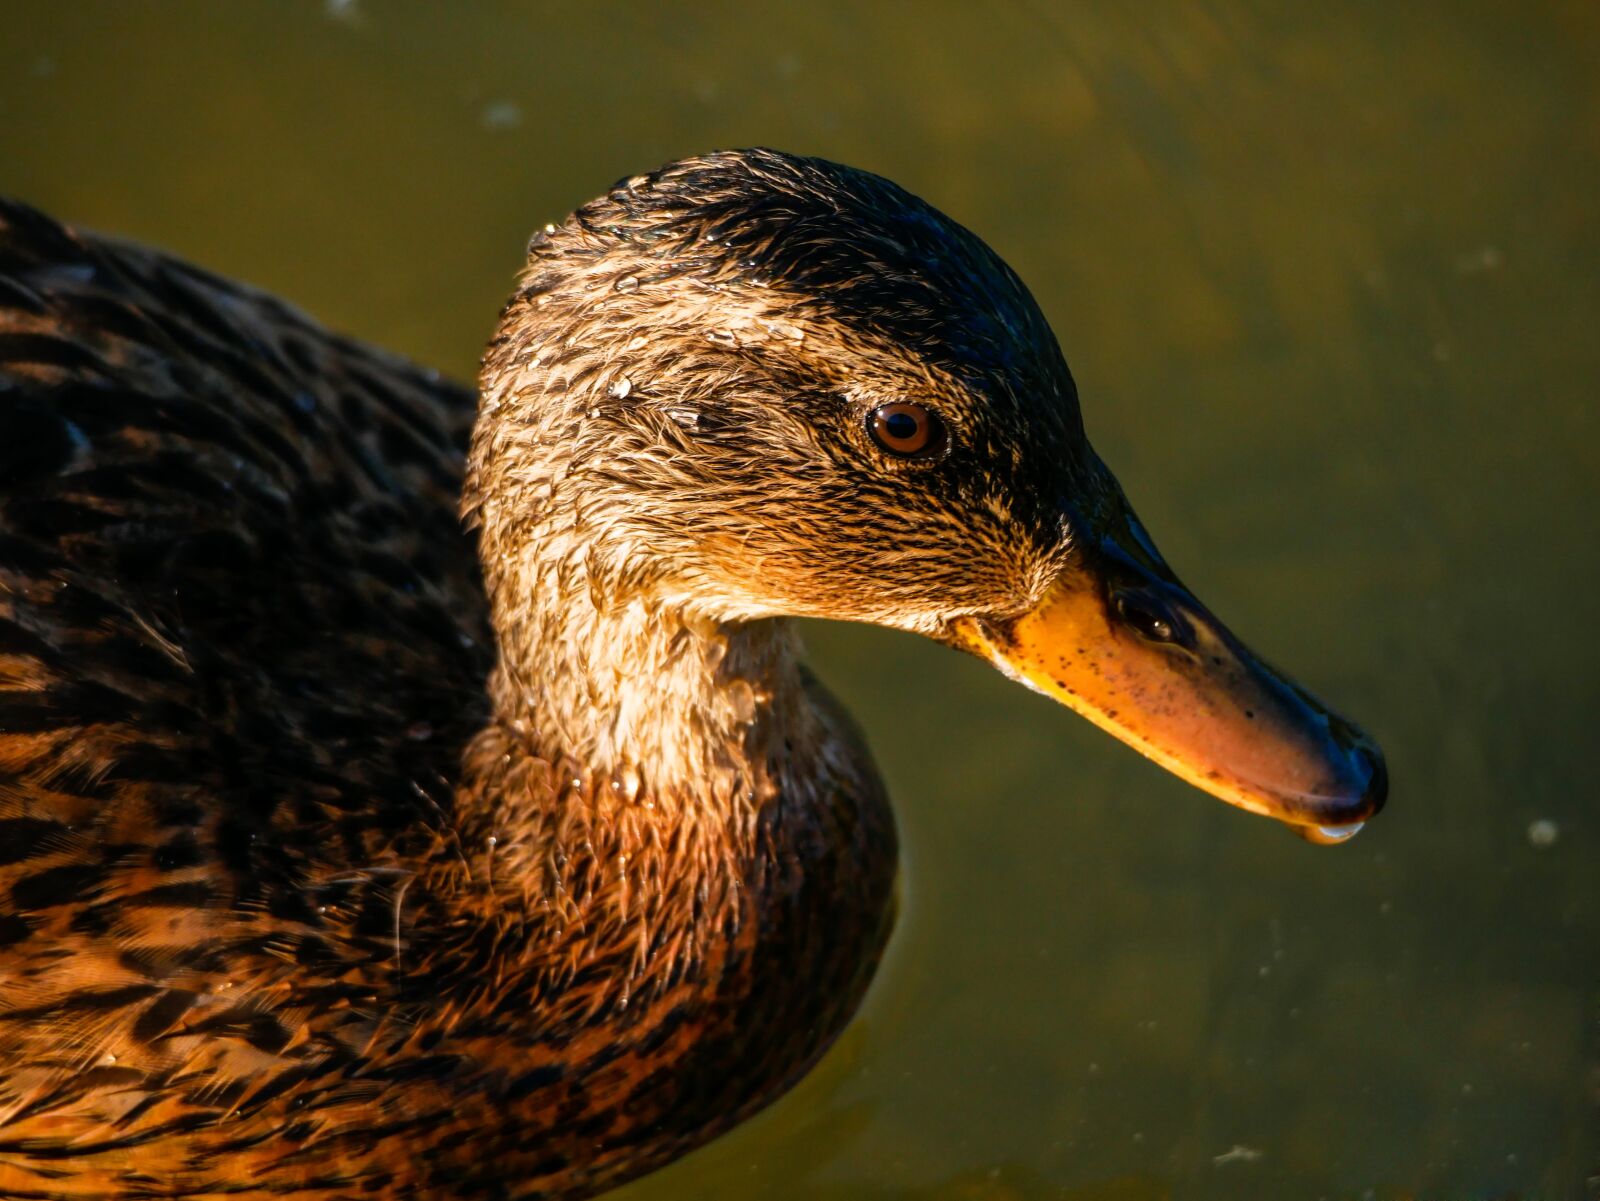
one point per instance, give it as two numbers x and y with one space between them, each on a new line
904 429
1147 616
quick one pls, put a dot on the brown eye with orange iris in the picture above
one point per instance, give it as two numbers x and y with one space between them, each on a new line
907 430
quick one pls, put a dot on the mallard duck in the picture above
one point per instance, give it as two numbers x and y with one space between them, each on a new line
410 792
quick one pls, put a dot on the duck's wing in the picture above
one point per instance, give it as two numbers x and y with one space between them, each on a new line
242 643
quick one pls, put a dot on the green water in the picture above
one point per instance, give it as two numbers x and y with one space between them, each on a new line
1329 278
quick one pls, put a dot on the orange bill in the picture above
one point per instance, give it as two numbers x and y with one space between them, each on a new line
1118 639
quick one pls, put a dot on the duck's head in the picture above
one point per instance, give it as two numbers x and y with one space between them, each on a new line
753 385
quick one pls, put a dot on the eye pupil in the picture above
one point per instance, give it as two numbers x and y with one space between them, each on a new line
905 429
900 426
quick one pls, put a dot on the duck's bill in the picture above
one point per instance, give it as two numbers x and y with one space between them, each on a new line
1125 645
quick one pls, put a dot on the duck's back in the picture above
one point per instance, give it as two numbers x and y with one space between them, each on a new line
242 643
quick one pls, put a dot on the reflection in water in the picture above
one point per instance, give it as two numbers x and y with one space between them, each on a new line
1328 277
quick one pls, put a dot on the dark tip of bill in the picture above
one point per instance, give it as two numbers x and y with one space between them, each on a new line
1377 790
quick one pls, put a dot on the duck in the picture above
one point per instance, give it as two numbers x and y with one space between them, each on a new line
412 791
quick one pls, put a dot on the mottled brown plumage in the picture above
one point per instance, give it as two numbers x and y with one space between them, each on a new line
348 849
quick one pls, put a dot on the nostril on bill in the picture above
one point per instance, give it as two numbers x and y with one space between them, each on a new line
1147 617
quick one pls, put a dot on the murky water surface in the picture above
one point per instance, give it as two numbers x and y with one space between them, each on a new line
1329 278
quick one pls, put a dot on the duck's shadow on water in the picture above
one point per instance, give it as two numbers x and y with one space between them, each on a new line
1002 1182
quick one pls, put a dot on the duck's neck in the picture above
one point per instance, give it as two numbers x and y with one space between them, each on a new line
644 692
629 726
